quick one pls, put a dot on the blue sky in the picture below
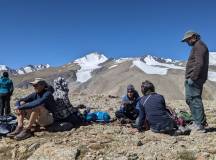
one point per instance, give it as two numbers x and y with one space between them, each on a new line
59 31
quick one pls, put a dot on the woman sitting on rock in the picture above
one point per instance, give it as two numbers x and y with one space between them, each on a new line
152 107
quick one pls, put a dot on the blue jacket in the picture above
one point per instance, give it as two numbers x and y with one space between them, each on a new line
6 85
154 110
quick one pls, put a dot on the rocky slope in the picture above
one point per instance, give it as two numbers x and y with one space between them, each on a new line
112 141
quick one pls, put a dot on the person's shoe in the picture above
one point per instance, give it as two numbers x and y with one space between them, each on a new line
24 134
192 126
201 129
15 132
184 130
197 128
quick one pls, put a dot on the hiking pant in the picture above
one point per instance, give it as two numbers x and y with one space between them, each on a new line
130 115
5 104
193 93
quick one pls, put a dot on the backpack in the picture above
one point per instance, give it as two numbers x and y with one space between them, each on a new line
187 117
8 124
97 117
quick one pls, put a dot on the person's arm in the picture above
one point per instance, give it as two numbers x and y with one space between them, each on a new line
141 117
28 98
11 88
199 62
123 102
37 102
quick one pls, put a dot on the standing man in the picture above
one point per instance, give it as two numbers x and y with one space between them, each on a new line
196 75
6 90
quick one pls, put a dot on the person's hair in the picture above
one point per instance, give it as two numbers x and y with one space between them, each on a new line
197 36
5 74
147 88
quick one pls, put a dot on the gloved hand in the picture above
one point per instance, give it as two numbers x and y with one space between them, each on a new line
190 82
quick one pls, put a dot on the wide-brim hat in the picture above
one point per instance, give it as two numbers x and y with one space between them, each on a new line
38 81
188 34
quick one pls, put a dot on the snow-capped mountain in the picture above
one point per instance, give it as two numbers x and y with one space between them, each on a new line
24 70
88 64
6 68
32 68
97 74
150 64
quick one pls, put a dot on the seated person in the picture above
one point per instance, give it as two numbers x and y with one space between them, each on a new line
36 107
128 109
152 107
41 108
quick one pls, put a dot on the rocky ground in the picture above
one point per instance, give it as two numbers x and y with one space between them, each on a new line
112 141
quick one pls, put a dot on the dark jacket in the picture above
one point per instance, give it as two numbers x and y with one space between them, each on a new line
155 112
36 99
198 62
6 86
46 99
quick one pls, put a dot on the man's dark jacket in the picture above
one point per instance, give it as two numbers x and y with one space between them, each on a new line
198 62
153 109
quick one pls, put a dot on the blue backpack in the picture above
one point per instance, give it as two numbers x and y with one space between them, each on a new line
97 117
8 124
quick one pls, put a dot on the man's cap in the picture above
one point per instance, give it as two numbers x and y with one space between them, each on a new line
38 81
188 34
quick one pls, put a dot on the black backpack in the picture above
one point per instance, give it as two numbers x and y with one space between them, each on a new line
8 124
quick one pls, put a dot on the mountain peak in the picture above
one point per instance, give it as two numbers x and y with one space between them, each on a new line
23 70
91 59
89 63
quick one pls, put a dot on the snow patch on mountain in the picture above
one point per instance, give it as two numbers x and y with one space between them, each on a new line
212 58
212 76
4 68
113 66
149 69
149 60
121 60
88 64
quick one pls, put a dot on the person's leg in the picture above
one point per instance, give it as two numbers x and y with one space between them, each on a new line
1 105
45 118
7 105
119 114
34 114
19 128
194 100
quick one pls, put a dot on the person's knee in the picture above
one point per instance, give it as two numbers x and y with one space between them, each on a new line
119 114
38 109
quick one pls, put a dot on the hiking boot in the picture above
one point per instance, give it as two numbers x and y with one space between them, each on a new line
197 128
15 132
24 134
